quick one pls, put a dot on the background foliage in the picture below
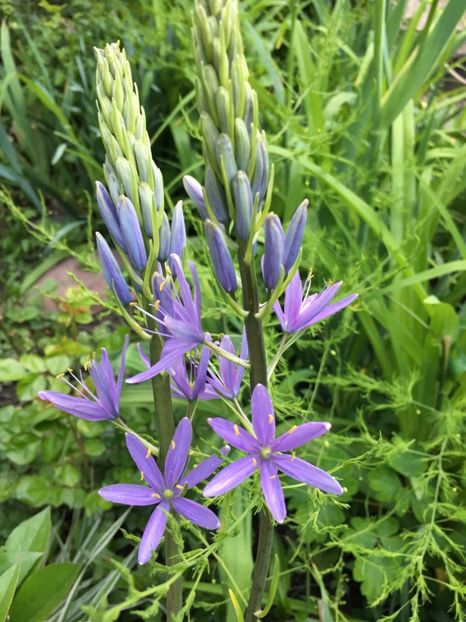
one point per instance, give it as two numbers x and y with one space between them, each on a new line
365 116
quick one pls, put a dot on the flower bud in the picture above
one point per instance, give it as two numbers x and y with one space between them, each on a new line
109 214
178 231
221 257
210 134
216 196
294 235
113 184
242 198
242 145
131 232
225 155
261 171
222 104
148 207
112 272
272 260
164 239
194 191
158 185
127 173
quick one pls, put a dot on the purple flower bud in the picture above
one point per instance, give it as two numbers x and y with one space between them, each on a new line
131 232
272 260
194 191
294 235
242 197
164 239
112 272
109 214
261 171
216 196
178 231
221 257
225 155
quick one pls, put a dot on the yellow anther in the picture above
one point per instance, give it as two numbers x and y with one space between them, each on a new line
173 444
293 456
59 375
236 429
292 429
162 285
157 305
142 475
270 418
179 486
155 495
273 476
70 371
149 452
254 461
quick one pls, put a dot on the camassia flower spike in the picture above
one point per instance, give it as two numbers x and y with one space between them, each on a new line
301 311
165 491
268 455
104 403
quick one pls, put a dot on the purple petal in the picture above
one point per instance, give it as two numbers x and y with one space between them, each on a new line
201 372
263 418
272 490
327 311
308 473
77 406
234 434
121 373
143 356
231 476
153 532
171 352
145 463
129 494
196 513
201 472
299 435
178 452
293 298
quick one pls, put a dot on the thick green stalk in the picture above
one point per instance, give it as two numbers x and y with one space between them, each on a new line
166 427
258 374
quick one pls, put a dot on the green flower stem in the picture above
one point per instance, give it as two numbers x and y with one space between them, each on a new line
258 374
166 427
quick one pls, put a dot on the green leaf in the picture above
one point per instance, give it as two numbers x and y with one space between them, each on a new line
33 363
444 322
385 484
42 592
32 534
23 448
11 370
94 447
8 583
57 364
25 559
29 387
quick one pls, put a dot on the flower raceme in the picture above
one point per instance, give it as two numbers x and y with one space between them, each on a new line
165 491
301 310
269 455
104 403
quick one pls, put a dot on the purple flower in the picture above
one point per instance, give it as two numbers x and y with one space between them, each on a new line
105 404
229 381
165 491
188 387
301 310
180 321
267 453
294 236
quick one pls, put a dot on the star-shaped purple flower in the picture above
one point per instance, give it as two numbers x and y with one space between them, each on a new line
165 491
268 454
301 311
104 403
180 321
228 382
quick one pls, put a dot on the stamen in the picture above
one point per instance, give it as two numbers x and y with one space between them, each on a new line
162 285
293 456
142 475
155 495
179 486
270 418
149 453
254 461
236 429
273 476
173 444
292 429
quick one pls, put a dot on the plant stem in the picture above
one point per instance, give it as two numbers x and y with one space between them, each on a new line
258 374
166 427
